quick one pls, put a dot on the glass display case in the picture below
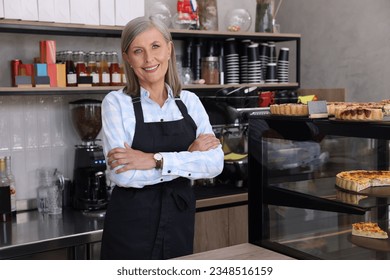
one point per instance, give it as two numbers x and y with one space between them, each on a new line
295 207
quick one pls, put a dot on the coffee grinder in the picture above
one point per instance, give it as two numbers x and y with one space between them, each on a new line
89 190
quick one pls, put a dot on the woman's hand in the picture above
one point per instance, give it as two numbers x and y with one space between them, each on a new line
204 143
129 159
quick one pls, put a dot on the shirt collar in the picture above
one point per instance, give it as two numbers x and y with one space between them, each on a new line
146 94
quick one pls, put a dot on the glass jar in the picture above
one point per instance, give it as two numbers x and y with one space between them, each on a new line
264 15
210 70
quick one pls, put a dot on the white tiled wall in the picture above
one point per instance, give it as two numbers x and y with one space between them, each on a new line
36 131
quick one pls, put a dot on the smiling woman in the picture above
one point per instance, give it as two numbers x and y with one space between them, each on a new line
156 138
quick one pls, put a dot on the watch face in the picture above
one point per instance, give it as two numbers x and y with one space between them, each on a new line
157 156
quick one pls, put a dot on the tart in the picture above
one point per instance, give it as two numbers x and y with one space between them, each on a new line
357 180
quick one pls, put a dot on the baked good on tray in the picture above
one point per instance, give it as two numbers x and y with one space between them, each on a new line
289 109
357 180
369 111
359 113
368 229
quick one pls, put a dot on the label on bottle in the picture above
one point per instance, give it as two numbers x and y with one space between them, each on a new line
116 78
5 200
13 196
95 78
105 78
71 78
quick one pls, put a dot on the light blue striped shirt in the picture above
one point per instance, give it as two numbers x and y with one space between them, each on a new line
118 122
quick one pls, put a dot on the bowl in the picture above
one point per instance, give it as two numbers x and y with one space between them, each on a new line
238 20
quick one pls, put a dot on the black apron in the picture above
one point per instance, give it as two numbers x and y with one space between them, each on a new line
157 221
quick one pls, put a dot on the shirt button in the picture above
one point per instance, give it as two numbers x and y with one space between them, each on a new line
169 171
161 120
189 174
161 179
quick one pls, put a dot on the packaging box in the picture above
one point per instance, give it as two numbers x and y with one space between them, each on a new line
40 69
61 75
91 12
12 9
23 81
107 12
46 10
77 11
29 10
52 73
47 50
61 11
126 10
42 81
1 8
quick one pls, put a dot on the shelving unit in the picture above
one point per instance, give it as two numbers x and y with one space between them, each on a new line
31 27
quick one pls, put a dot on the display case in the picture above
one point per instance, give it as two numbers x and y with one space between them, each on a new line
295 207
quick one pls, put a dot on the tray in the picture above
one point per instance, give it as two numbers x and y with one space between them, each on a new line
378 191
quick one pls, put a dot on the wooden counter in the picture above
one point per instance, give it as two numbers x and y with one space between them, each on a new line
245 251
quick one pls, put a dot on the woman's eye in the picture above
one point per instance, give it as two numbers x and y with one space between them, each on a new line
155 46
138 51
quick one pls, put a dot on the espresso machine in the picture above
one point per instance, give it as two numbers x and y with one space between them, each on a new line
89 188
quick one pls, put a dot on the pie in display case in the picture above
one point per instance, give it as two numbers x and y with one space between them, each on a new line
295 206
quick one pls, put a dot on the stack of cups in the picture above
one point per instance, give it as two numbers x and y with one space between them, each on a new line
264 58
271 73
283 65
271 52
244 61
232 64
254 65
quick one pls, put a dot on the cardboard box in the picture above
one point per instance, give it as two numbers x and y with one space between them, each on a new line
46 10
12 9
1 8
52 73
23 81
77 11
42 81
61 11
91 12
61 75
107 12
47 51
29 10
40 69
126 10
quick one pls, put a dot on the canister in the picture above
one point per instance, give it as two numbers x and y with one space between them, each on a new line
210 70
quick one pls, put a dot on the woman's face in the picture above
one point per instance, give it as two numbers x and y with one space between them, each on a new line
148 55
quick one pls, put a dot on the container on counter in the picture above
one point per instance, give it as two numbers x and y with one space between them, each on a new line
210 70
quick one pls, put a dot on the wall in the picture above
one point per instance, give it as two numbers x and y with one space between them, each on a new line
344 44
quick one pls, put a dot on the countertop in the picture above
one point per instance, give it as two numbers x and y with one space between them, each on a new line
33 232
245 251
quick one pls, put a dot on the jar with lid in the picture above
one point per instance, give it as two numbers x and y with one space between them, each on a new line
210 70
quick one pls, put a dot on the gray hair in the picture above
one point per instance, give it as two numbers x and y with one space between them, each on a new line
132 30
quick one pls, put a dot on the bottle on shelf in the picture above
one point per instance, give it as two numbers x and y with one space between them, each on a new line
115 71
92 68
5 194
104 72
71 75
12 184
79 59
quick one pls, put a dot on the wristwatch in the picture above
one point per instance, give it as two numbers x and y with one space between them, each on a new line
158 158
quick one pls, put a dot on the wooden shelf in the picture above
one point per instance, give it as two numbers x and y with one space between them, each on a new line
69 29
105 90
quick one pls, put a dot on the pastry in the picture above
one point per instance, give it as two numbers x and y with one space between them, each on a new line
357 180
368 229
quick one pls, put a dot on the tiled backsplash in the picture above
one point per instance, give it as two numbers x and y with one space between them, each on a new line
36 131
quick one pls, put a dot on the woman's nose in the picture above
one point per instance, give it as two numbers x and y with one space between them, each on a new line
148 56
